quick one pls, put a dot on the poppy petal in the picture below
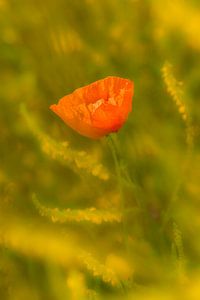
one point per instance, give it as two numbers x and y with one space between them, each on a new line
97 109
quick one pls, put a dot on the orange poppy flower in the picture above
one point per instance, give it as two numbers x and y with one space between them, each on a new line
97 109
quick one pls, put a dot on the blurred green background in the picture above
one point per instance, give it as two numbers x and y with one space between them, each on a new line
61 235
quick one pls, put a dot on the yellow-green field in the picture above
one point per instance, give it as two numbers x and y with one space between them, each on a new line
114 218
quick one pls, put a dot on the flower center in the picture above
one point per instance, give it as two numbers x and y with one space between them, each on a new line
93 106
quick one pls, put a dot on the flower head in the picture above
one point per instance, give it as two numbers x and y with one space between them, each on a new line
97 109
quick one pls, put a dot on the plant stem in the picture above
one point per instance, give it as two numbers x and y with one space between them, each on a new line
113 147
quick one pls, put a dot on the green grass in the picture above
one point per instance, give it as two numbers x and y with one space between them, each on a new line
63 231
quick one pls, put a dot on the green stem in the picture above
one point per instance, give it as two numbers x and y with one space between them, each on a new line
190 141
113 147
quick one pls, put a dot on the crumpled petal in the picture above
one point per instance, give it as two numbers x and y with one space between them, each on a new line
97 109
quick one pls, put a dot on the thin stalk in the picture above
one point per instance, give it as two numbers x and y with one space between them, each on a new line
113 148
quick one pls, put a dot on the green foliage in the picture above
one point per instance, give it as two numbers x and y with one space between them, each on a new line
116 218
77 215
180 256
63 153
